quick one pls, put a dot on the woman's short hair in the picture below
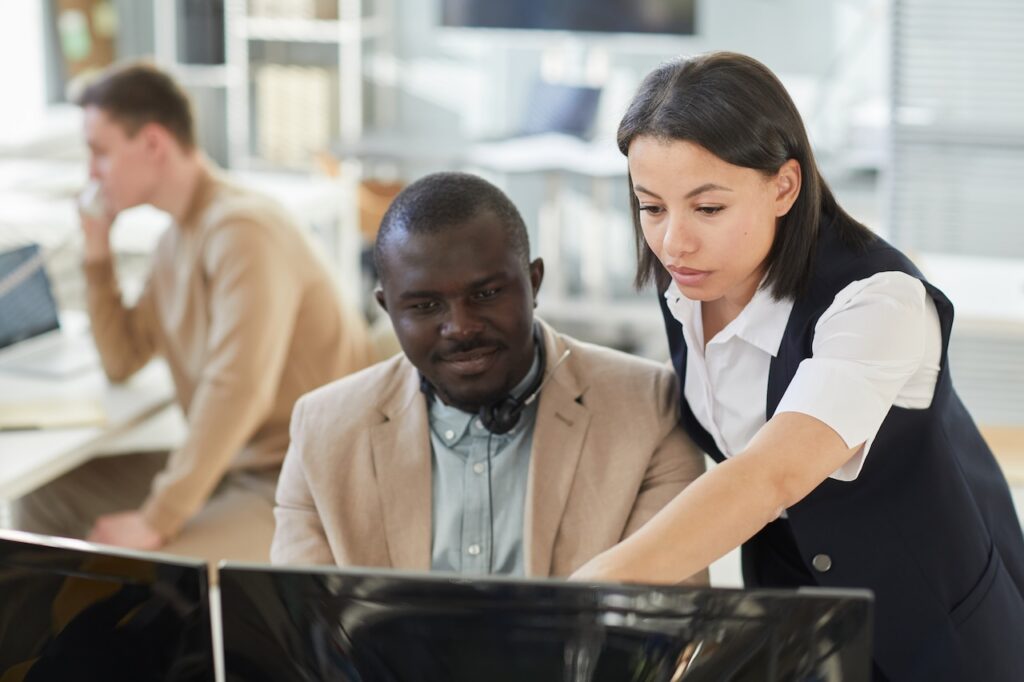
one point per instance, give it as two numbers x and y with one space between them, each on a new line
735 107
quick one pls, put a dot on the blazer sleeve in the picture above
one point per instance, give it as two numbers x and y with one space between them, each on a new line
299 537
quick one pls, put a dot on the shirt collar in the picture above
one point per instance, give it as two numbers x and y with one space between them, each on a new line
762 323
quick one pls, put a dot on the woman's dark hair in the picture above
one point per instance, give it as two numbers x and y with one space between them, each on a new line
734 107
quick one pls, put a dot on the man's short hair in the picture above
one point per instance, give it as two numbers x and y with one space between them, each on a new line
138 93
445 200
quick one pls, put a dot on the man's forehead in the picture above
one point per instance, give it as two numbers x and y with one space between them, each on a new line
470 241
414 278
96 117
100 124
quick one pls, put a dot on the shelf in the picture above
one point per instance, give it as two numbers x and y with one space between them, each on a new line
310 30
374 27
203 75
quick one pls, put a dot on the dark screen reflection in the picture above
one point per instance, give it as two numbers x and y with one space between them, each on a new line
370 627
73 614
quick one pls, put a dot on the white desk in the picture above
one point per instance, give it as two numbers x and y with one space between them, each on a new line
30 459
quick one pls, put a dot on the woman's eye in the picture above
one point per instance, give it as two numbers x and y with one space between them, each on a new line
652 210
710 210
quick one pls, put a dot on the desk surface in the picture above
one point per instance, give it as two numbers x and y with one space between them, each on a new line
30 459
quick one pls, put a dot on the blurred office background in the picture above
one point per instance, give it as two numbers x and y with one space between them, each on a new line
915 108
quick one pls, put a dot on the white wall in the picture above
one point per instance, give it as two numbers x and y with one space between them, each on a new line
22 67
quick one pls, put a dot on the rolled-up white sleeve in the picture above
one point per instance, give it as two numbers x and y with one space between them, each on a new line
867 345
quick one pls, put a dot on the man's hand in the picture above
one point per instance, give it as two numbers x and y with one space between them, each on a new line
96 223
126 529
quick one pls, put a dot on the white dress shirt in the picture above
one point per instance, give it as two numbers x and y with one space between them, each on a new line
879 344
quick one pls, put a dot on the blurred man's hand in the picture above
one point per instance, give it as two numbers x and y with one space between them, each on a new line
126 529
96 222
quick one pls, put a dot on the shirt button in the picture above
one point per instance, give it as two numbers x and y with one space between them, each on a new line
822 563
479 468
477 423
473 550
449 434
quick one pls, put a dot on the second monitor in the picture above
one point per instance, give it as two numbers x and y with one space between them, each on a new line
374 626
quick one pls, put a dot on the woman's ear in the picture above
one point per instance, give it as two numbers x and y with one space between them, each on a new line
787 184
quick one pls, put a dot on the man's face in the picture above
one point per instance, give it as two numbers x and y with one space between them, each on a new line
126 167
461 302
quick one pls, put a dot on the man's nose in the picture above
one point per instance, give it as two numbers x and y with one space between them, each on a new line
462 322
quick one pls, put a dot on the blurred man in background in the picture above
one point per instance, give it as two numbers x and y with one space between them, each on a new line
238 304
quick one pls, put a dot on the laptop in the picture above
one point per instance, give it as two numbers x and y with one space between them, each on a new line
31 337
69 611
376 626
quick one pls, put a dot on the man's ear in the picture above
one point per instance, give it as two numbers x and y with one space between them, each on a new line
536 277
155 139
379 295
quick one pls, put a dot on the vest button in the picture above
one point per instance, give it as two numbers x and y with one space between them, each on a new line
822 563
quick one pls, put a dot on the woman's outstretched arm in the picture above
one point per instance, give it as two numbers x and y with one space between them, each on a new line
787 459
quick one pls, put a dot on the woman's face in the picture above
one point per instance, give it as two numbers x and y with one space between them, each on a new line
710 223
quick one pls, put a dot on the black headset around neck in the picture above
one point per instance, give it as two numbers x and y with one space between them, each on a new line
502 416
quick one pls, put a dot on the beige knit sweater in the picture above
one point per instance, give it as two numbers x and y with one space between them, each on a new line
247 317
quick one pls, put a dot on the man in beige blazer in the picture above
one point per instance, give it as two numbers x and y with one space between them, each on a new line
387 467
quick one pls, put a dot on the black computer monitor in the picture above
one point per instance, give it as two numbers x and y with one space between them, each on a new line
69 612
332 624
621 16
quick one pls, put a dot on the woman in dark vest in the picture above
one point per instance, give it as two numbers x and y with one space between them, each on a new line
812 366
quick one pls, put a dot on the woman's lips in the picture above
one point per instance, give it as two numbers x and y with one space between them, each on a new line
688 277
471 362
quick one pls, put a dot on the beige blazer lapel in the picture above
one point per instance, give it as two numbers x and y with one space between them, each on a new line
401 458
557 445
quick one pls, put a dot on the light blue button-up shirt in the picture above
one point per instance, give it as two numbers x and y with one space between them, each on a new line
465 537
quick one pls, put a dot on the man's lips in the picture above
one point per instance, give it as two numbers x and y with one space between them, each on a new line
470 362
687 277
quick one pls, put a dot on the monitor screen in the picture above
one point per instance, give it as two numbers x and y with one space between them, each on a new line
373 626
68 612
619 16
27 306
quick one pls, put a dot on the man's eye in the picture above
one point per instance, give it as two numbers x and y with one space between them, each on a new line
424 306
486 294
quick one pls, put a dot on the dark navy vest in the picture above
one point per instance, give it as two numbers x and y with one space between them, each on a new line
928 525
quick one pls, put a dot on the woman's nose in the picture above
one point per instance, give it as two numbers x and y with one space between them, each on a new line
679 240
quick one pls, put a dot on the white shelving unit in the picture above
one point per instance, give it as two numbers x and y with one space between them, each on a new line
346 39
347 36
165 50
228 101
